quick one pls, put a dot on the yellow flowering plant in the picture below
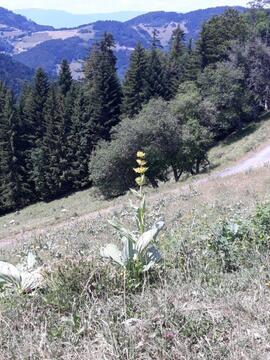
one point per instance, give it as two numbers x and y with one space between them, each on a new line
139 254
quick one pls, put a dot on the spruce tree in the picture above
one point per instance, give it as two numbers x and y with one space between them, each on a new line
156 82
192 64
79 143
65 78
26 144
54 147
176 60
36 128
177 44
103 88
10 196
37 104
134 87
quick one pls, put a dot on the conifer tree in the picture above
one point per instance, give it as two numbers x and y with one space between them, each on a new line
36 128
103 88
37 103
192 64
79 143
26 144
54 147
134 88
10 196
156 75
217 35
65 78
176 60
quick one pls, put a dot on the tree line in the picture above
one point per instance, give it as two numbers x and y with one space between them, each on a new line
64 135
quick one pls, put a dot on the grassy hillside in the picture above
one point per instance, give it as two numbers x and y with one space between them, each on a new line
207 300
82 203
238 145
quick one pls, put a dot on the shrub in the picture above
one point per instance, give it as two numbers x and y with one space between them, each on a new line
170 144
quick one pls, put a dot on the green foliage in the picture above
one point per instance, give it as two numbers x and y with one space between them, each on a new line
103 88
223 86
156 81
234 239
10 195
171 144
80 143
214 87
65 78
134 87
55 147
217 34
111 159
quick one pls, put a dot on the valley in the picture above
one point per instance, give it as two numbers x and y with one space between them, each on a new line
33 44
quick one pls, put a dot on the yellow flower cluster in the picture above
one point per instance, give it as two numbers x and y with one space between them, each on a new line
141 169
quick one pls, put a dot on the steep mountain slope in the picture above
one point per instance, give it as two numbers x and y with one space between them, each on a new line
44 46
13 73
241 154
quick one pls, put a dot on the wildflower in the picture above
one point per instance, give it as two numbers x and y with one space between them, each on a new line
141 162
140 154
140 180
140 170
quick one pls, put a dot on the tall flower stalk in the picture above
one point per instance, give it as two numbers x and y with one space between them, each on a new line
139 254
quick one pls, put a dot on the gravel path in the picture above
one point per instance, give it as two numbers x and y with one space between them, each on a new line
259 159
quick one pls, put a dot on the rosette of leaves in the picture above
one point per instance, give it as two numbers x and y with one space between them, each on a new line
139 253
23 277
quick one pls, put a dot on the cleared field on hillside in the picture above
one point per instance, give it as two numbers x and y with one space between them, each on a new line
73 207
196 308
210 296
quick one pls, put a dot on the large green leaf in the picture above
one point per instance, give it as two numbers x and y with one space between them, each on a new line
9 274
31 280
129 252
123 231
112 252
149 236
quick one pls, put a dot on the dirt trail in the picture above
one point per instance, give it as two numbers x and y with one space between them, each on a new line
254 160
258 159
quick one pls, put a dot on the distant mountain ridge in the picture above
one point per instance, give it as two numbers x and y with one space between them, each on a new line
64 19
44 46
10 19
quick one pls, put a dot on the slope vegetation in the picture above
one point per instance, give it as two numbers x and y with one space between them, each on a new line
241 153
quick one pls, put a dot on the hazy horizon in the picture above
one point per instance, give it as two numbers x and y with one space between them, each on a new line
83 7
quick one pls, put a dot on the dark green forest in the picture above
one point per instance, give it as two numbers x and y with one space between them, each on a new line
61 136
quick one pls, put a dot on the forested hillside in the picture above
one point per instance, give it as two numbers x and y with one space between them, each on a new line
63 136
14 74
43 46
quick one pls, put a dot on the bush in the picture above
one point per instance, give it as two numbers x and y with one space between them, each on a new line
170 145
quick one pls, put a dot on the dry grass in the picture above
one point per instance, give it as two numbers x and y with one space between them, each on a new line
195 309
69 209
237 146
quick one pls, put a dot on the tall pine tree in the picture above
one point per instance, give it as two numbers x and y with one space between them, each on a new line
79 143
156 75
65 78
54 147
36 129
176 60
10 196
134 87
103 88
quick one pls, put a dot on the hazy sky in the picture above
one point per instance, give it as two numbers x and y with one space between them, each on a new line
93 6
